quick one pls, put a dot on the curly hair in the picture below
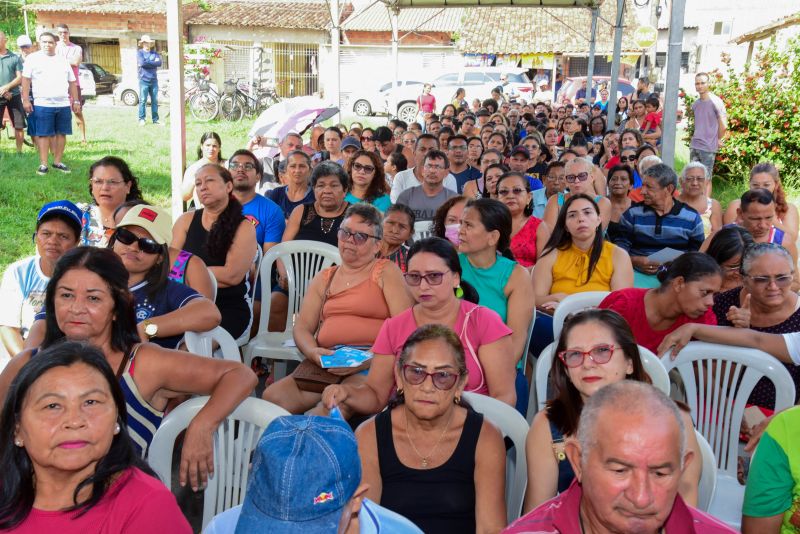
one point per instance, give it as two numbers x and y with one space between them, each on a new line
123 169
378 186
220 236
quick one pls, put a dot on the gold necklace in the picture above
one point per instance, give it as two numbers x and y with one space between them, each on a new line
426 459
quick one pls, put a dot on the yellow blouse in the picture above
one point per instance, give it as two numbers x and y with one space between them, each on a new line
571 266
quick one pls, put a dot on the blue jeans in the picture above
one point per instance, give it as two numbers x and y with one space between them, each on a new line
148 88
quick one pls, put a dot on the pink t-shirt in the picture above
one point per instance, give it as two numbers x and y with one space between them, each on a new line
476 326
629 303
135 503
426 103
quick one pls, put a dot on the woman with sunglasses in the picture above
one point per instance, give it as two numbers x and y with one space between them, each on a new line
764 303
578 174
221 236
620 183
165 309
367 180
694 179
345 306
433 277
686 295
368 139
596 348
111 183
528 234
430 457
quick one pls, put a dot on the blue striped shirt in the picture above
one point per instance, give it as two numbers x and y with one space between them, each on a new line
642 231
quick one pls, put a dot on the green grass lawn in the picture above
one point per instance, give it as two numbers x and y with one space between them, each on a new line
115 131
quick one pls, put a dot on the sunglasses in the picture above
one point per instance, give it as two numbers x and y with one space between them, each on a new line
625 159
365 168
516 192
782 281
442 380
415 279
146 245
236 166
599 354
367 138
359 238
581 176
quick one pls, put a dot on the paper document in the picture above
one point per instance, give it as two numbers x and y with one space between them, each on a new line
345 357
664 255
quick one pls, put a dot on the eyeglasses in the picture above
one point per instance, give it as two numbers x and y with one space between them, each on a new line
694 179
442 380
515 191
732 269
782 280
434 167
359 238
581 176
146 245
457 148
363 168
433 279
110 183
599 354
233 165
625 159
555 178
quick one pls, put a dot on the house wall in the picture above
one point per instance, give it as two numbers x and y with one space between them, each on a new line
249 34
407 39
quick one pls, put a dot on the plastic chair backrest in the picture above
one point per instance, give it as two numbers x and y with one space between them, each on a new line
251 293
234 442
213 285
718 381
652 365
708 475
202 344
573 304
422 229
514 427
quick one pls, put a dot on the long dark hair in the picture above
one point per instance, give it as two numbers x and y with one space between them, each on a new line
378 186
205 137
561 239
564 409
495 215
107 265
449 255
17 486
123 169
220 236
729 242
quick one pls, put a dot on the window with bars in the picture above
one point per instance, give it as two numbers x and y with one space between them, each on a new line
661 60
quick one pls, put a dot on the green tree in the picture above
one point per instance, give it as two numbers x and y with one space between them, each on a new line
762 103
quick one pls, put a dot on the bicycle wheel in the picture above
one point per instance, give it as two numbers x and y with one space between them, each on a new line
204 106
231 108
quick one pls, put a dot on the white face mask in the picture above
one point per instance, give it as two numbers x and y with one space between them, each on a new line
451 233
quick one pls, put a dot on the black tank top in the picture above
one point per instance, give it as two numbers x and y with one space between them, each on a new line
314 227
231 301
439 500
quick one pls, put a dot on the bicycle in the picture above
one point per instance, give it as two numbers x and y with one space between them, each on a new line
204 101
236 101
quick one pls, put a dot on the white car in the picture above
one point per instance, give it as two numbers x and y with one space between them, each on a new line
88 87
127 90
478 82
374 102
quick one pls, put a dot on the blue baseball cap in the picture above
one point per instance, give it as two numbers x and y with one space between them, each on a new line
350 141
305 469
66 209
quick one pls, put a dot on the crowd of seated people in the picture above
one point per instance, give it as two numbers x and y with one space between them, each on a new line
521 207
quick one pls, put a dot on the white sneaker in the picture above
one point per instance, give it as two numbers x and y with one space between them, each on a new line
141 122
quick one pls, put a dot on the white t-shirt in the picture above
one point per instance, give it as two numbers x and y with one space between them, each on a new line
792 341
22 293
50 77
73 54
406 180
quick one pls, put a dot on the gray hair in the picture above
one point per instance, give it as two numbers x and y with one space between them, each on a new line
588 165
753 252
663 174
371 216
694 165
647 162
631 397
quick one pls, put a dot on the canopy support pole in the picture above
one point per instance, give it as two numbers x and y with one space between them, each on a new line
592 43
335 37
612 92
177 118
673 79
394 13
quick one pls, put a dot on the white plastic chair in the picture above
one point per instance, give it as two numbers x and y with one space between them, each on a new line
573 304
302 260
708 475
717 401
234 442
513 426
652 365
213 285
422 229
202 344
251 295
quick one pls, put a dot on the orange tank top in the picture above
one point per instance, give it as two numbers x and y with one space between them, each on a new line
353 316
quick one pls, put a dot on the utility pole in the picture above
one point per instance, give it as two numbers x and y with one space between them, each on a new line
651 54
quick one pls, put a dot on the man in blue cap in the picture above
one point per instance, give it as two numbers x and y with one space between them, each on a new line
305 479
58 229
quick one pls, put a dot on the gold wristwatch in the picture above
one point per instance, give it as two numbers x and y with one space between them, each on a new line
150 329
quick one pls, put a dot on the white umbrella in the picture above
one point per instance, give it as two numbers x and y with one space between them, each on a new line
291 115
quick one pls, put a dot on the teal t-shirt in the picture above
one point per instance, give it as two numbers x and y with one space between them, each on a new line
382 203
490 283
773 485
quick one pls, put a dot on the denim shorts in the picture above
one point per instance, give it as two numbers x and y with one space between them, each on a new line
47 122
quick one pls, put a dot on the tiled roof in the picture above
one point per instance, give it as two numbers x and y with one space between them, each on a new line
291 14
376 18
538 30
102 6
762 32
